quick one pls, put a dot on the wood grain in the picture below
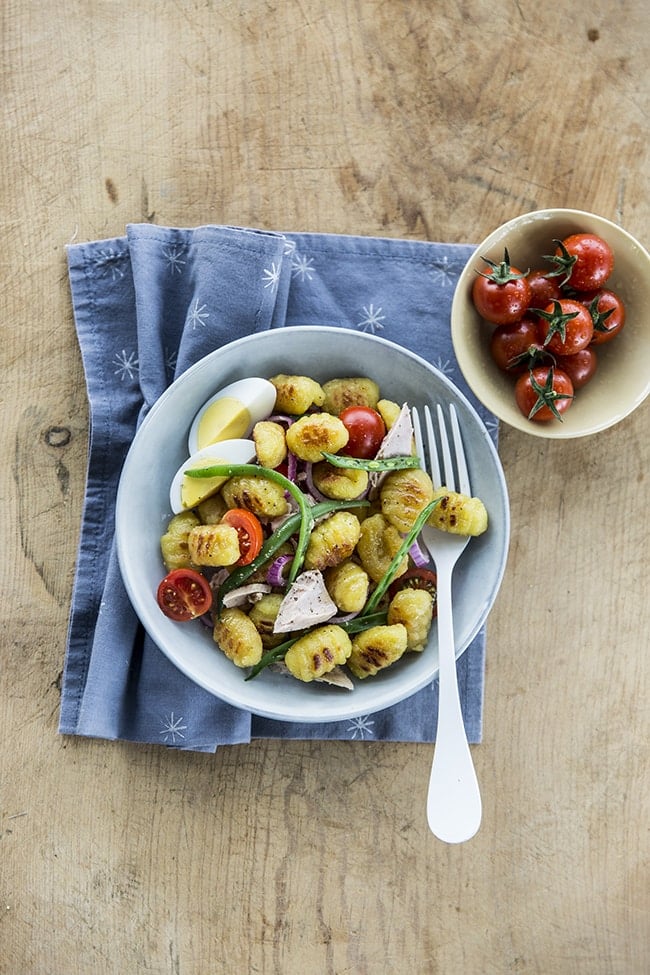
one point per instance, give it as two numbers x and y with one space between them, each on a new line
379 117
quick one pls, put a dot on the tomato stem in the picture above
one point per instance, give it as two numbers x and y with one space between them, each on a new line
502 271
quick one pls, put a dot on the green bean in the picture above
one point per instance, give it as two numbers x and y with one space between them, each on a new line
373 463
389 575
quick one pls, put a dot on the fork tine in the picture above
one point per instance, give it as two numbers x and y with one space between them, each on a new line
434 470
448 464
417 430
461 464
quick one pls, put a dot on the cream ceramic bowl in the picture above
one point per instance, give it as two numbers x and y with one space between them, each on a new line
622 380
160 447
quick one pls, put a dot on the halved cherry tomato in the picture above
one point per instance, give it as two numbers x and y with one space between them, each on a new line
366 430
416 579
501 294
184 594
544 393
249 530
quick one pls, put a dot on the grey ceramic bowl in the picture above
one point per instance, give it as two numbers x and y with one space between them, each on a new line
622 380
159 448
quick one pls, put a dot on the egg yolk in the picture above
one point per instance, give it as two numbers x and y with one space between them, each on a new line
225 419
197 489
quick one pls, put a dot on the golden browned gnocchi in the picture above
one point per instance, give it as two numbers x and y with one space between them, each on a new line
296 394
318 652
309 436
213 545
264 498
458 513
376 648
353 391
388 411
174 543
263 614
348 585
270 443
414 609
378 543
340 483
238 638
404 494
333 540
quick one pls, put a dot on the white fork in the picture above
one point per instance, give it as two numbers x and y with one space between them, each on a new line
454 799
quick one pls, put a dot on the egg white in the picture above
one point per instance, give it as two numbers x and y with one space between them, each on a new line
255 394
225 452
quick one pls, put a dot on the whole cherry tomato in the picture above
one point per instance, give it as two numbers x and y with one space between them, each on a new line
565 327
501 295
584 261
607 313
366 430
543 289
515 347
579 367
544 393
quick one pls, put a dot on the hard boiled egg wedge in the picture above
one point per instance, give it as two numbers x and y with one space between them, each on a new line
232 412
186 492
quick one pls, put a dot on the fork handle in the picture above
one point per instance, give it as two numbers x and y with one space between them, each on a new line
454 800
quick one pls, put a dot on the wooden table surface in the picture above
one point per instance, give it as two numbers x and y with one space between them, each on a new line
411 119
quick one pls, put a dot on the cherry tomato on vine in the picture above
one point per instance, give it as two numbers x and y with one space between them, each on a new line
579 367
501 294
585 261
366 430
514 347
544 393
608 314
543 289
565 327
249 530
184 594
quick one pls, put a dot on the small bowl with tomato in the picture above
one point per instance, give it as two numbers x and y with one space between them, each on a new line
550 323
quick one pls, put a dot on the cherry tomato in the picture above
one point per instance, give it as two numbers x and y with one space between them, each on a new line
586 261
416 579
543 289
579 367
366 430
514 347
608 314
502 295
249 530
565 327
543 393
184 594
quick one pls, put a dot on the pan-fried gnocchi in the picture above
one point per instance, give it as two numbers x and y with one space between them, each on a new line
309 554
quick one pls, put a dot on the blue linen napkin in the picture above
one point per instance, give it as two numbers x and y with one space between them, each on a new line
146 307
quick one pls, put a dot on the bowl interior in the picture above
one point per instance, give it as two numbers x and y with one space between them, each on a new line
622 380
159 448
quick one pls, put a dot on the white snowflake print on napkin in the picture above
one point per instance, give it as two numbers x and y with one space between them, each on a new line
361 727
172 729
373 319
126 365
197 315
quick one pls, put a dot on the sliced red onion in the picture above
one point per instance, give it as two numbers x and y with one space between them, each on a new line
311 487
292 465
281 418
418 556
274 575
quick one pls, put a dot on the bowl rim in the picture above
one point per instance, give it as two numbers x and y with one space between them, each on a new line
385 693
493 402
